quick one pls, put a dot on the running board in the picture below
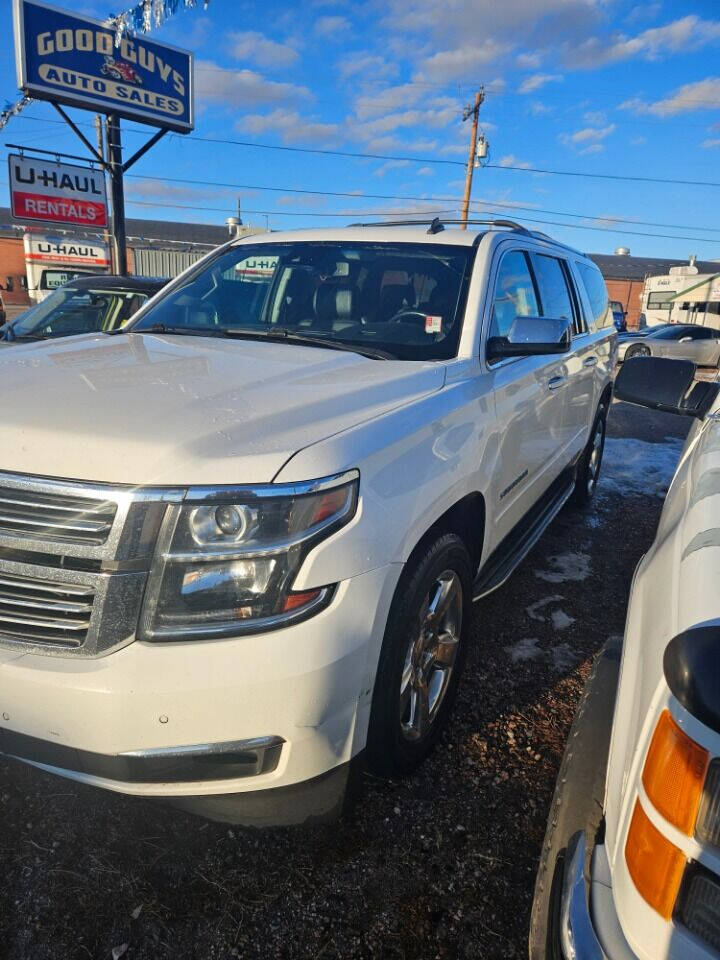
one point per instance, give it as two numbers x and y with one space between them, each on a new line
520 541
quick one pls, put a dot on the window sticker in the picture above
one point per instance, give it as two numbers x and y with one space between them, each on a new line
433 324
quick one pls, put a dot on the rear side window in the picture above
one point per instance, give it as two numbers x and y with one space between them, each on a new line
514 293
555 297
597 294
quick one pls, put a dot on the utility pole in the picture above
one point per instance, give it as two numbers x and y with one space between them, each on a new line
101 154
467 113
114 145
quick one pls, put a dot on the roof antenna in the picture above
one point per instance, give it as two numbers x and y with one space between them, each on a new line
436 226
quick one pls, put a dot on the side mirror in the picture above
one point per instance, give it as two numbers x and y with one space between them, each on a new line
664 384
531 336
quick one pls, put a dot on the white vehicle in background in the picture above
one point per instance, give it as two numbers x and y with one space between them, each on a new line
630 869
683 295
52 261
240 539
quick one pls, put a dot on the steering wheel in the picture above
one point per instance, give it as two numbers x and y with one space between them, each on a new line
404 315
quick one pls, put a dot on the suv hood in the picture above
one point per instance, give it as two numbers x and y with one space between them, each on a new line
174 410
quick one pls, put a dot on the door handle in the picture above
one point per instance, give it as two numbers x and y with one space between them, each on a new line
555 382
590 361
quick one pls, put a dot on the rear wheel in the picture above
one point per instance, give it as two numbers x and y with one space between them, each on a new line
421 657
588 471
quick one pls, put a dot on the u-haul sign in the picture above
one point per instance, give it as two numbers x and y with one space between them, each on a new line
51 192
56 250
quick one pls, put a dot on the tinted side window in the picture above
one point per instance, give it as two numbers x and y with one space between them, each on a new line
555 298
597 293
514 293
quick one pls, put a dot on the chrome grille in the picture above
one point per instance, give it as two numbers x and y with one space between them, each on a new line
44 611
55 517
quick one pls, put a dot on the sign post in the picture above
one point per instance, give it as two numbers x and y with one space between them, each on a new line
70 59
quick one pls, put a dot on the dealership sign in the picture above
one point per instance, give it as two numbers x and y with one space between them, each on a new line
57 192
72 59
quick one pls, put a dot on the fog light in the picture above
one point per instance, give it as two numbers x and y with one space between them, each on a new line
708 822
674 772
655 865
699 908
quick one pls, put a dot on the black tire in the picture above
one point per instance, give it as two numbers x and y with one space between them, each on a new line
588 471
577 802
637 351
395 745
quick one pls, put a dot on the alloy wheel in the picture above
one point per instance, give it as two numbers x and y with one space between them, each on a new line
431 655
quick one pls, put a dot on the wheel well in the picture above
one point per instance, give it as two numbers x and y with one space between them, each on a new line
606 395
466 519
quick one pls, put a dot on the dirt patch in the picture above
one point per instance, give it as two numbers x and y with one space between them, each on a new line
441 865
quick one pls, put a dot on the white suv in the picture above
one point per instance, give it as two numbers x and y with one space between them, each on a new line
240 541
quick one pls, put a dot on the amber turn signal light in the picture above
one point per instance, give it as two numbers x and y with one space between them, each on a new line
674 773
656 865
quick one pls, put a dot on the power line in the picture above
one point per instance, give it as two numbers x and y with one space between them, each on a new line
630 178
407 198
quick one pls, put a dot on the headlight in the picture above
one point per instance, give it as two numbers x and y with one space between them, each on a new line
226 560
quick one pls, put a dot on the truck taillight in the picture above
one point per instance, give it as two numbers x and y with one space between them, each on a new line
674 773
656 865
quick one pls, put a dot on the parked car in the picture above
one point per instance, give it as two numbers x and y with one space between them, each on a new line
631 862
85 305
626 339
680 341
241 540
619 316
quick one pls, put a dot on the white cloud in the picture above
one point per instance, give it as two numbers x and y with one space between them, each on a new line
638 141
461 62
593 148
701 95
538 109
595 117
538 80
680 36
645 11
289 125
528 61
425 172
711 144
390 165
510 160
367 66
331 26
241 88
252 46
587 135
437 117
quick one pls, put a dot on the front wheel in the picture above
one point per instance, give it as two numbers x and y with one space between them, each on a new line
588 472
421 657
639 351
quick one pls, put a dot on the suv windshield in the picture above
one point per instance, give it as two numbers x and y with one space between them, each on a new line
69 311
405 299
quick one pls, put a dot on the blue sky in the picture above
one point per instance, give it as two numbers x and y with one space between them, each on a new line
592 86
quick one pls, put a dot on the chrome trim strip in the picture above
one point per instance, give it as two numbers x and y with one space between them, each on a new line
205 749
263 490
577 936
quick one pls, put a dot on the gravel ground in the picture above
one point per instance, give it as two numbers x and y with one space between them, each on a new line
441 865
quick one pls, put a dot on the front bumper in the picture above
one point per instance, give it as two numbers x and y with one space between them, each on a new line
303 691
589 930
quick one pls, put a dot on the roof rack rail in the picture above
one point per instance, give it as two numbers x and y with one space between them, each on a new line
437 224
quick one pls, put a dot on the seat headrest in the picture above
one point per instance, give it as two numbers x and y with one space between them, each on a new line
333 301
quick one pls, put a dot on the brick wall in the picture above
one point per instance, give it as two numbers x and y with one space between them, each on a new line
628 292
12 271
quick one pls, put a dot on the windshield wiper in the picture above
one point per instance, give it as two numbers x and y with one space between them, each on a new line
283 334
182 331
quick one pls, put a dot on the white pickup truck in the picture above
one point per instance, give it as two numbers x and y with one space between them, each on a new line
240 541
630 868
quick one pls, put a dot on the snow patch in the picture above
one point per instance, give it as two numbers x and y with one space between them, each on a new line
525 649
563 657
532 610
566 566
560 620
638 467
